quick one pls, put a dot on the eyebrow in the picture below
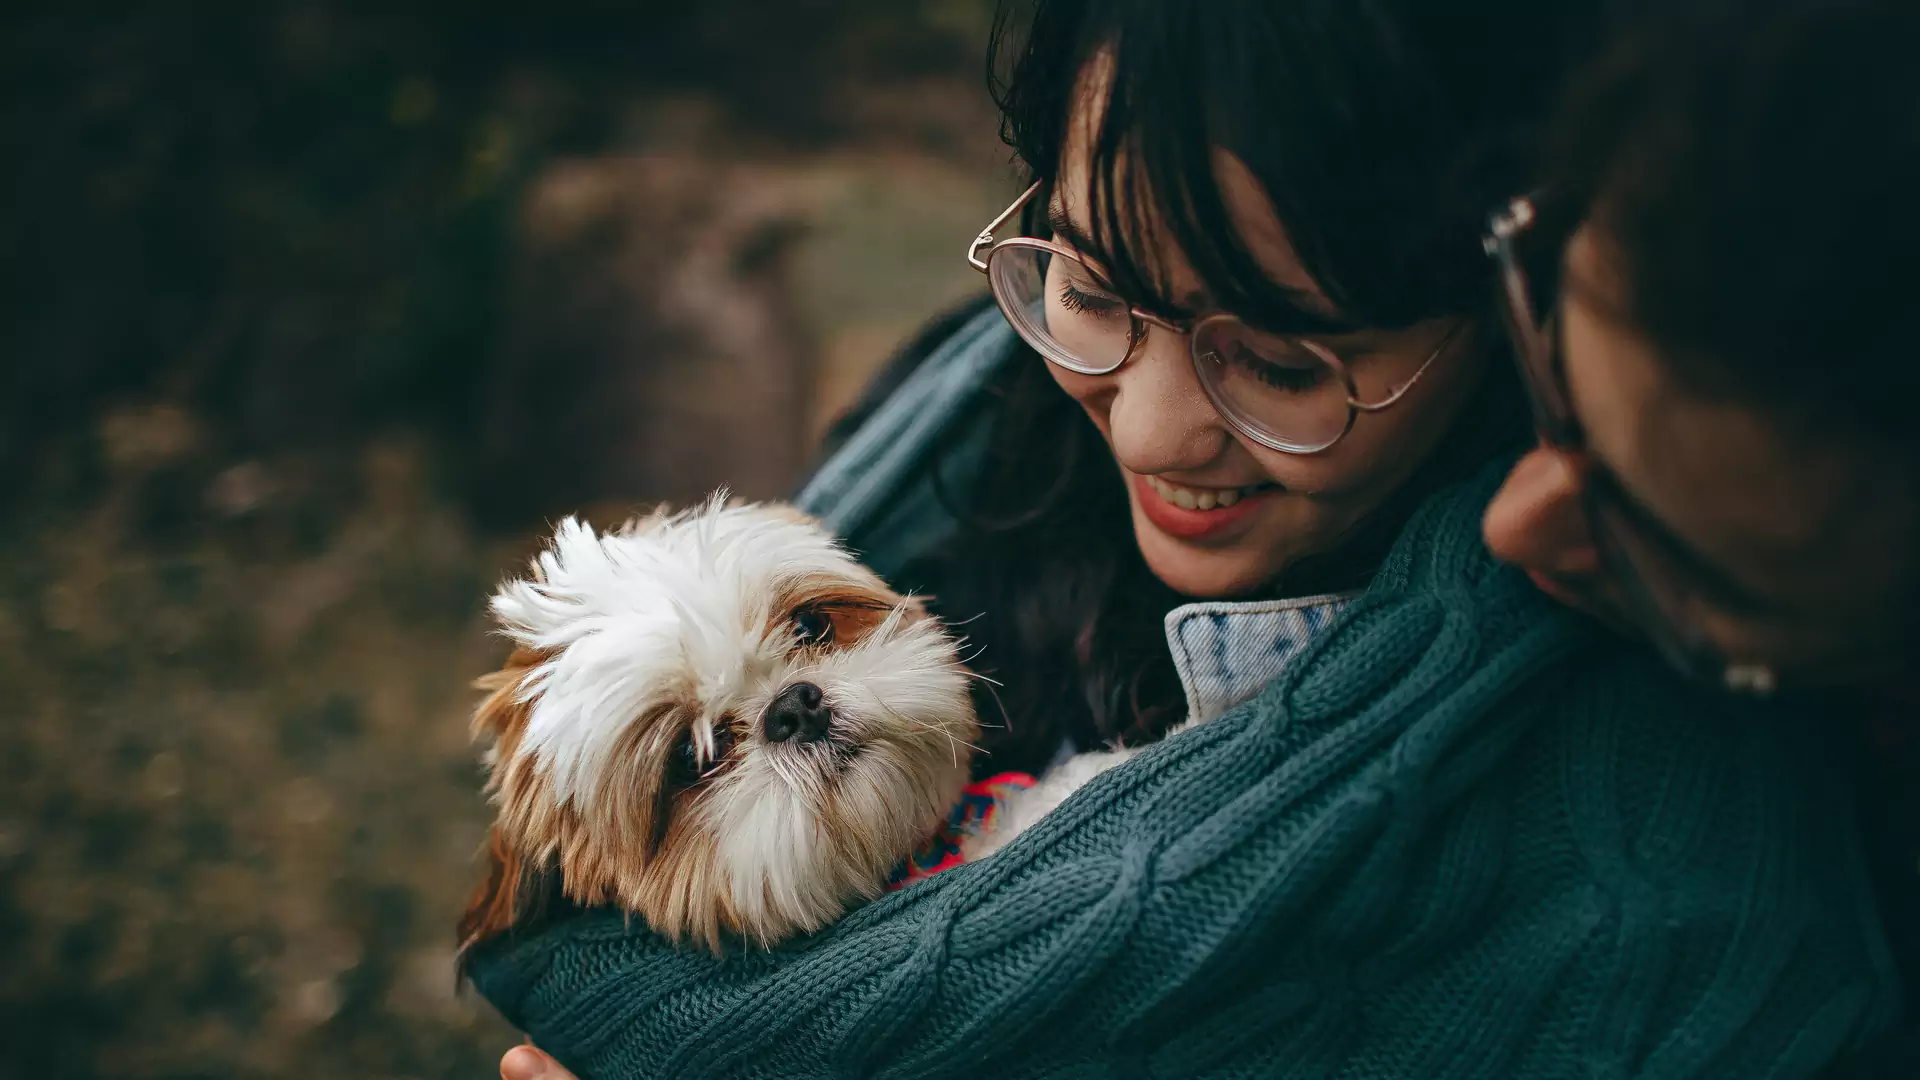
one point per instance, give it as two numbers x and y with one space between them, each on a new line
1066 229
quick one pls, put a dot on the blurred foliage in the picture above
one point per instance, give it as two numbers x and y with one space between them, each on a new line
293 219
236 801
263 270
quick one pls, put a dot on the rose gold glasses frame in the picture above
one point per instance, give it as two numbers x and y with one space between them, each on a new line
1140 319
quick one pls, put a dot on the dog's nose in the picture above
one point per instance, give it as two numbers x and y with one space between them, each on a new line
798 713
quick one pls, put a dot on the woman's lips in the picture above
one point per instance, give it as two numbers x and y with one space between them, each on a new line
1195 524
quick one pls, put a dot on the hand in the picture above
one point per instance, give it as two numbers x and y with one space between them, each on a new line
527 1063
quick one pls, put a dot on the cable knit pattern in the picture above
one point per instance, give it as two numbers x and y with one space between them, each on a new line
1460 835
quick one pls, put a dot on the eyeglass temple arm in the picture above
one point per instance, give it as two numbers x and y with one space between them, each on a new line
1503 228
985 239
1401 390
1498 244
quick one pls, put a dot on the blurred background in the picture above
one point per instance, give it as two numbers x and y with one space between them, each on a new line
312 318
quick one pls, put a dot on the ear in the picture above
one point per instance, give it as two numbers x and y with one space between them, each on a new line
502 900
515 894
532 608
493 906
502 714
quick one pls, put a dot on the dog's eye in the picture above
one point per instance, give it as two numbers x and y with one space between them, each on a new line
812 627
683 762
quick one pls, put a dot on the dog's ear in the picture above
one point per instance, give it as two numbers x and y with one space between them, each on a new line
502 900
495 906
501 714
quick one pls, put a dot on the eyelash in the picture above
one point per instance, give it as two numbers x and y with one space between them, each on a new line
1278 376
1290 380
812 626
1078 302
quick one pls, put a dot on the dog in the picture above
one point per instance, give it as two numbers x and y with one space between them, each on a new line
717 720
721 721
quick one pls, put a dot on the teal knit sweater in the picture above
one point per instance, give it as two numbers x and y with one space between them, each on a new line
1461 835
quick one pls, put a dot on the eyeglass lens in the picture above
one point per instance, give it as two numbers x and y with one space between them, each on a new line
1283 390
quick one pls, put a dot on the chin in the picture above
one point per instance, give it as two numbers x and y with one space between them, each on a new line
717 720
1202 573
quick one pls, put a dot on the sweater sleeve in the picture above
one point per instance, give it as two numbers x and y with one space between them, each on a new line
1410 856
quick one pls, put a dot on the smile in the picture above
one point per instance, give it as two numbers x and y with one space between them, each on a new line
1197 513
1199 498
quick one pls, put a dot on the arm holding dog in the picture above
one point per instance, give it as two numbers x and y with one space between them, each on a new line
1329 877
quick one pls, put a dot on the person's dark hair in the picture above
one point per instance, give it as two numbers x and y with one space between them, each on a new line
1382 132
1753 179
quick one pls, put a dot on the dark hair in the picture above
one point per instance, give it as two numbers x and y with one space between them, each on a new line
1753 177
1382 132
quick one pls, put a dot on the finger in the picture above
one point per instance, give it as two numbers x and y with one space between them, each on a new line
527 1063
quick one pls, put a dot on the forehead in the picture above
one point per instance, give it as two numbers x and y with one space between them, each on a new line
1250 211
1794 519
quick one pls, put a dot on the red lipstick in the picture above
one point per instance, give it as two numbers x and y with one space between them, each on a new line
1193 524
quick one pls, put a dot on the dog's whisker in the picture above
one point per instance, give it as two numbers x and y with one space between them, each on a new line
803 779
999 705
733 798
933 729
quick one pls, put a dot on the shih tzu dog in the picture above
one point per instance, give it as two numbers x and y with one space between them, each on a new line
718 721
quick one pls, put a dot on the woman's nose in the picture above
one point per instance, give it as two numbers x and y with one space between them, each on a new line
1537 521
1159 417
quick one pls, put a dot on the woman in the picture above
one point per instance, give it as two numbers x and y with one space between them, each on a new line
1448 828
1731 466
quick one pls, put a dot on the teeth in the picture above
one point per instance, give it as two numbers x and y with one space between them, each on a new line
1196 498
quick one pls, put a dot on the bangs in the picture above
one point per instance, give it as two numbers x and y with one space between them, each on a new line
1350 132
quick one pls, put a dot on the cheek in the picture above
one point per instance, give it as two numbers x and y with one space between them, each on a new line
1358 472
1409 430
1094 393
1383 449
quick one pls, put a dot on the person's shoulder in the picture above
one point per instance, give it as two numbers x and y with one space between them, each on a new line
1717 836
1654 749
1677 838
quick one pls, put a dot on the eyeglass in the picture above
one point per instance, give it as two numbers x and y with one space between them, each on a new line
1655 575
1284 392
